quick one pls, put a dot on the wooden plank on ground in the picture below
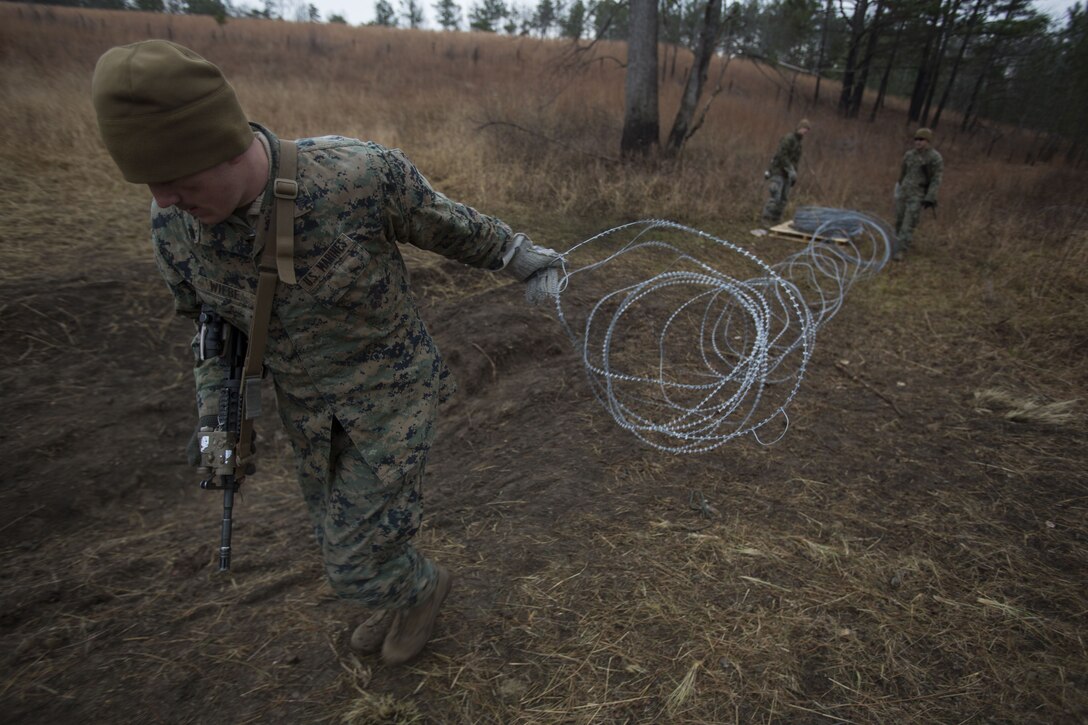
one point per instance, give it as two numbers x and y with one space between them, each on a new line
786 231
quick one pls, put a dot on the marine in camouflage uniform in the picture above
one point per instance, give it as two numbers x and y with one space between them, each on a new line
346 346
357 376
919 181
782 173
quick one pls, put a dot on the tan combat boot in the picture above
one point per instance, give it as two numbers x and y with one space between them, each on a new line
368 636
413 627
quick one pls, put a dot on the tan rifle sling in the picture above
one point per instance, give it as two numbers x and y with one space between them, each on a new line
277 262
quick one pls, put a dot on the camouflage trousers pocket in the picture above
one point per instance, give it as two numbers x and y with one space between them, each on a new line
365 528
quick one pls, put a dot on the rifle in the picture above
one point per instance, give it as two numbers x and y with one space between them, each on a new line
219 445
240 395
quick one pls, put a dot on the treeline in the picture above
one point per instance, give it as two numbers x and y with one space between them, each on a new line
994 63
221 10
987 60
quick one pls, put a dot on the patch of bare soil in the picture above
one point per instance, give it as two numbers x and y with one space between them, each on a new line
906 553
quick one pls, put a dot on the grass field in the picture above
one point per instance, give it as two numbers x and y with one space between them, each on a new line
912 551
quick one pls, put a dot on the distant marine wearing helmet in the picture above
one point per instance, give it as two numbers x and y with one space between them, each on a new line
919 181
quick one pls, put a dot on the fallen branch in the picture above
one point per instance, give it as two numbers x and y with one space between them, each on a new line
870 388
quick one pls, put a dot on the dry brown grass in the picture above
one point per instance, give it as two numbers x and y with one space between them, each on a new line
970 607
1022 409
518 127
671 620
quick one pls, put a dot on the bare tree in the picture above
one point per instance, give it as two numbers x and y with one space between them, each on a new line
972 24
866 64
888 65
949 21
853 49
709 33
822 57
641 127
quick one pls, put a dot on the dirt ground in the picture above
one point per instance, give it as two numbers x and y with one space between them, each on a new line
906 553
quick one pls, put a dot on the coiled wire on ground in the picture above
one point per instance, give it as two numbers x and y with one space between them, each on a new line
714 343
833 222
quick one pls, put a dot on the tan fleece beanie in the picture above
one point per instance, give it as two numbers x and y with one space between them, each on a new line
164 112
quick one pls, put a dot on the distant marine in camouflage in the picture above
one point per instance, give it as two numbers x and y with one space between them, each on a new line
782 173
919 181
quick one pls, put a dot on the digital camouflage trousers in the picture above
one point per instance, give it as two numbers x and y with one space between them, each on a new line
778 194
908 210
365 528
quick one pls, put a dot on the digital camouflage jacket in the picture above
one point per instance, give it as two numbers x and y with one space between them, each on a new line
347 340
788 155
920 176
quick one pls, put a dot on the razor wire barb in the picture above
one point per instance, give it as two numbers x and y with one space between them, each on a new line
731 349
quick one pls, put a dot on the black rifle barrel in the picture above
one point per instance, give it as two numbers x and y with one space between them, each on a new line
229 487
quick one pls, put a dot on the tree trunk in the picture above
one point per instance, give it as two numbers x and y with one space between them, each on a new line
945 31
823 51
704 51
867 62
879 103
641 127
968 34
857 30
970 111
925 72
995 51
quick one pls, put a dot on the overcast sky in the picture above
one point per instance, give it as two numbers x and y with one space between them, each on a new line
357 12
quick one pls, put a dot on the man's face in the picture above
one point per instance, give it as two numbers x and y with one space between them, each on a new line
210 195
802 131
921 144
